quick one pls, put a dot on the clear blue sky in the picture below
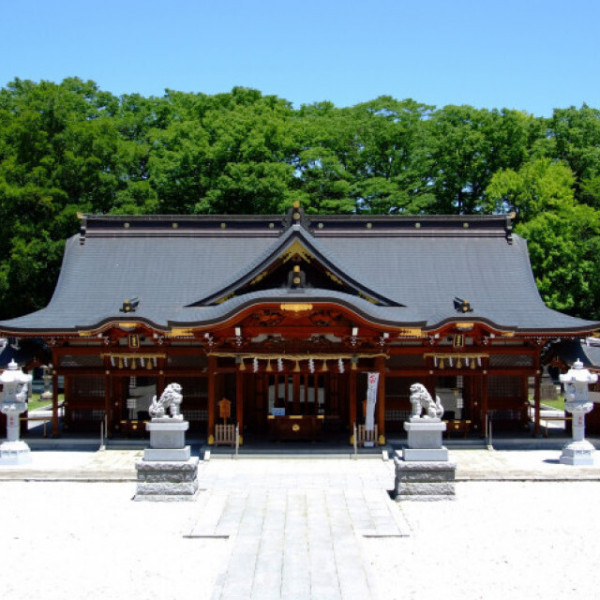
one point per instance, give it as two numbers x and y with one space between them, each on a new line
532 55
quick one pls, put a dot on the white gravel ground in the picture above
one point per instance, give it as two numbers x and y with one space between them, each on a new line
497 540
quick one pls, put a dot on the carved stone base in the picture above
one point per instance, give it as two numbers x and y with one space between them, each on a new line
167 480
14 453
578 453
424 481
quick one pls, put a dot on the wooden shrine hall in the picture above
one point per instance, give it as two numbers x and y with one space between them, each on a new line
274 322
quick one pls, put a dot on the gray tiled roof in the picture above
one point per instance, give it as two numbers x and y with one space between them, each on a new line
422 269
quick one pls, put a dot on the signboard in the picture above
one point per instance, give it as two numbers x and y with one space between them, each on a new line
224 408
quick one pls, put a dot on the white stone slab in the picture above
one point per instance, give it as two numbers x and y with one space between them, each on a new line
170 454
425 433
167 433
425 454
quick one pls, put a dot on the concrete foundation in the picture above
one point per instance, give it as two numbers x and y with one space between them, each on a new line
424 481
14 453
581 452
167 480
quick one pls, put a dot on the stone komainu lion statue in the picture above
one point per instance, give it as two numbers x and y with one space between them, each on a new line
170 400
421 400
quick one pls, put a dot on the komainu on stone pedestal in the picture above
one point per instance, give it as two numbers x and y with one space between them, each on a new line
167 470
423 471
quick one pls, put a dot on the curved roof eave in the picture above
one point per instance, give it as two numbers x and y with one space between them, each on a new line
383 316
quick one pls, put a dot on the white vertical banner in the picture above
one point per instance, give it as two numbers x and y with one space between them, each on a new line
373 379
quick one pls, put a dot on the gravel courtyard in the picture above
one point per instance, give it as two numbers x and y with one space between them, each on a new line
496 540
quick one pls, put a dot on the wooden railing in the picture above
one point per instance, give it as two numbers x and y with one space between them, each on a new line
368 436
225 435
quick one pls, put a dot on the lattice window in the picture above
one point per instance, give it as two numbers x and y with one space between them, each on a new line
187 361
81 360
505 387
511 360
399 361
88 386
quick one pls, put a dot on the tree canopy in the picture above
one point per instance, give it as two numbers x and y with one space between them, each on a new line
70 147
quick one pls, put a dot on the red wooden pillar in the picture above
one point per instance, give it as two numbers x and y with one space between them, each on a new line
108 389
212 400
380 363
160 378
352 400
239 404
54 403
537 396
484 402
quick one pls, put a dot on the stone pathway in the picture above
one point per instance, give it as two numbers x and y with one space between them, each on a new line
292 532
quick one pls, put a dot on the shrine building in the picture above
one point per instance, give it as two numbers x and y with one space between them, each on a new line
275 322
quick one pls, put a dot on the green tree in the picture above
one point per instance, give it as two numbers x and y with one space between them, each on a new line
563 236
576 135
539 185
563 248
467 146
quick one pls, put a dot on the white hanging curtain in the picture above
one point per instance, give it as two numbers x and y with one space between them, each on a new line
371 401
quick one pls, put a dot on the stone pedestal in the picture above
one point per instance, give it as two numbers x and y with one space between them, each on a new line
423 472
425 440
15 453
424 480
167 471
167 440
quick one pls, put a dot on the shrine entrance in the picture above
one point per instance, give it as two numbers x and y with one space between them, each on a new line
298 406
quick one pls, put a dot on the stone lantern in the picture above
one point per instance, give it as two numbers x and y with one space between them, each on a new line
47 378
576 381
15 385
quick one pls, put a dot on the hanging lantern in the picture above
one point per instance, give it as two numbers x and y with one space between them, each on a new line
242 365
120 363
459 364
441 363
354 363
324 367
133 363
297 367
149 365
269 368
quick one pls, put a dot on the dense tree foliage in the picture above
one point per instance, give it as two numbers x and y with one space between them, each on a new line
72 148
